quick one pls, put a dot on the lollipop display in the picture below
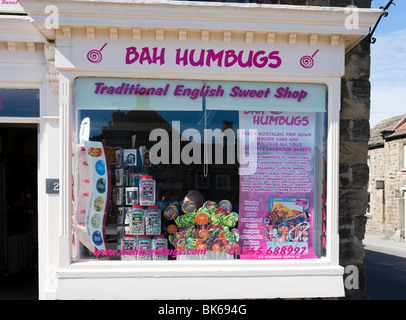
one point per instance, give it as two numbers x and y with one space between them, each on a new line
207 228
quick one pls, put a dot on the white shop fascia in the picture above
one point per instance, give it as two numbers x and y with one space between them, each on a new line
115 29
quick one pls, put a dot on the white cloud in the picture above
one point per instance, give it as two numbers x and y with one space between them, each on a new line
388 76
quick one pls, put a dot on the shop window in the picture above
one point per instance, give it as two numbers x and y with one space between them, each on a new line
198 170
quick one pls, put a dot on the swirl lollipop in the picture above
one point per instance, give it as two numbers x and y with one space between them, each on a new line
211 205
307 62
95 56
171 212
189 206
226 205
231 220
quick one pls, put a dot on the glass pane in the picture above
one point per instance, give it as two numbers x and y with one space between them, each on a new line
19 102
202 183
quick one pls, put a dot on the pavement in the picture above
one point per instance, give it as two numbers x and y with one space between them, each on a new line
378 243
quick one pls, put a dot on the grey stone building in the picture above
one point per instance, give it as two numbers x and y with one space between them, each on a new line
387 184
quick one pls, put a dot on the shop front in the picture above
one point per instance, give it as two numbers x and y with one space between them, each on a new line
198 150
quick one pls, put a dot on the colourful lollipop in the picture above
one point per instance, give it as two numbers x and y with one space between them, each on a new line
216 219
203 233
189 219
211 205
189 206
171 229
179 221
171 212
230 220
226 205
202 218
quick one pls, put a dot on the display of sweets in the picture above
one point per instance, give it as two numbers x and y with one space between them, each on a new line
159 243
144 248
211 227
153 220
212 237
137 220
147 191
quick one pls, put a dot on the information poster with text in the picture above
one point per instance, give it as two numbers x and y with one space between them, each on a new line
277 196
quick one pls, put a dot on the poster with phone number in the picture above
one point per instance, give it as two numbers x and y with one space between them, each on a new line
277 196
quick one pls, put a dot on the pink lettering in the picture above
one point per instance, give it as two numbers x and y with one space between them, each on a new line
180 58
160 58
200 62
263 59
131 55
145 56
246 64
274 56
211 56
230 54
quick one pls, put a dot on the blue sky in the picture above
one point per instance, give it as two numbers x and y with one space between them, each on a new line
388 64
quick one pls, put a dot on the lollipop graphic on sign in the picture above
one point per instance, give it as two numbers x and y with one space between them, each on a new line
95 56
307 61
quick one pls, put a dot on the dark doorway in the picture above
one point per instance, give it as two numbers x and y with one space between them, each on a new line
18 211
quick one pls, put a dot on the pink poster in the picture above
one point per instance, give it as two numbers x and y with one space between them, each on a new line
277 196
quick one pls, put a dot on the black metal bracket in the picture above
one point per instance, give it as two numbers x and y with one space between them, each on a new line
384 14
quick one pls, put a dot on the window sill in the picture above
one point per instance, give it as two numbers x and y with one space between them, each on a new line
250 279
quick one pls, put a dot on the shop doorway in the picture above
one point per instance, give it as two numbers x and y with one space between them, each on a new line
18 211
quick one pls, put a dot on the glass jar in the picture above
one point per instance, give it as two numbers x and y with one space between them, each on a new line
153 220
147 191
144 248
128 244
160 245
137 220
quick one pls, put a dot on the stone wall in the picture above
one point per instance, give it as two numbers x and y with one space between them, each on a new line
387 206
354 171
354 130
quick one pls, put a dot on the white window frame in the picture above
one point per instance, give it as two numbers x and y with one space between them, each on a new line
315 274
